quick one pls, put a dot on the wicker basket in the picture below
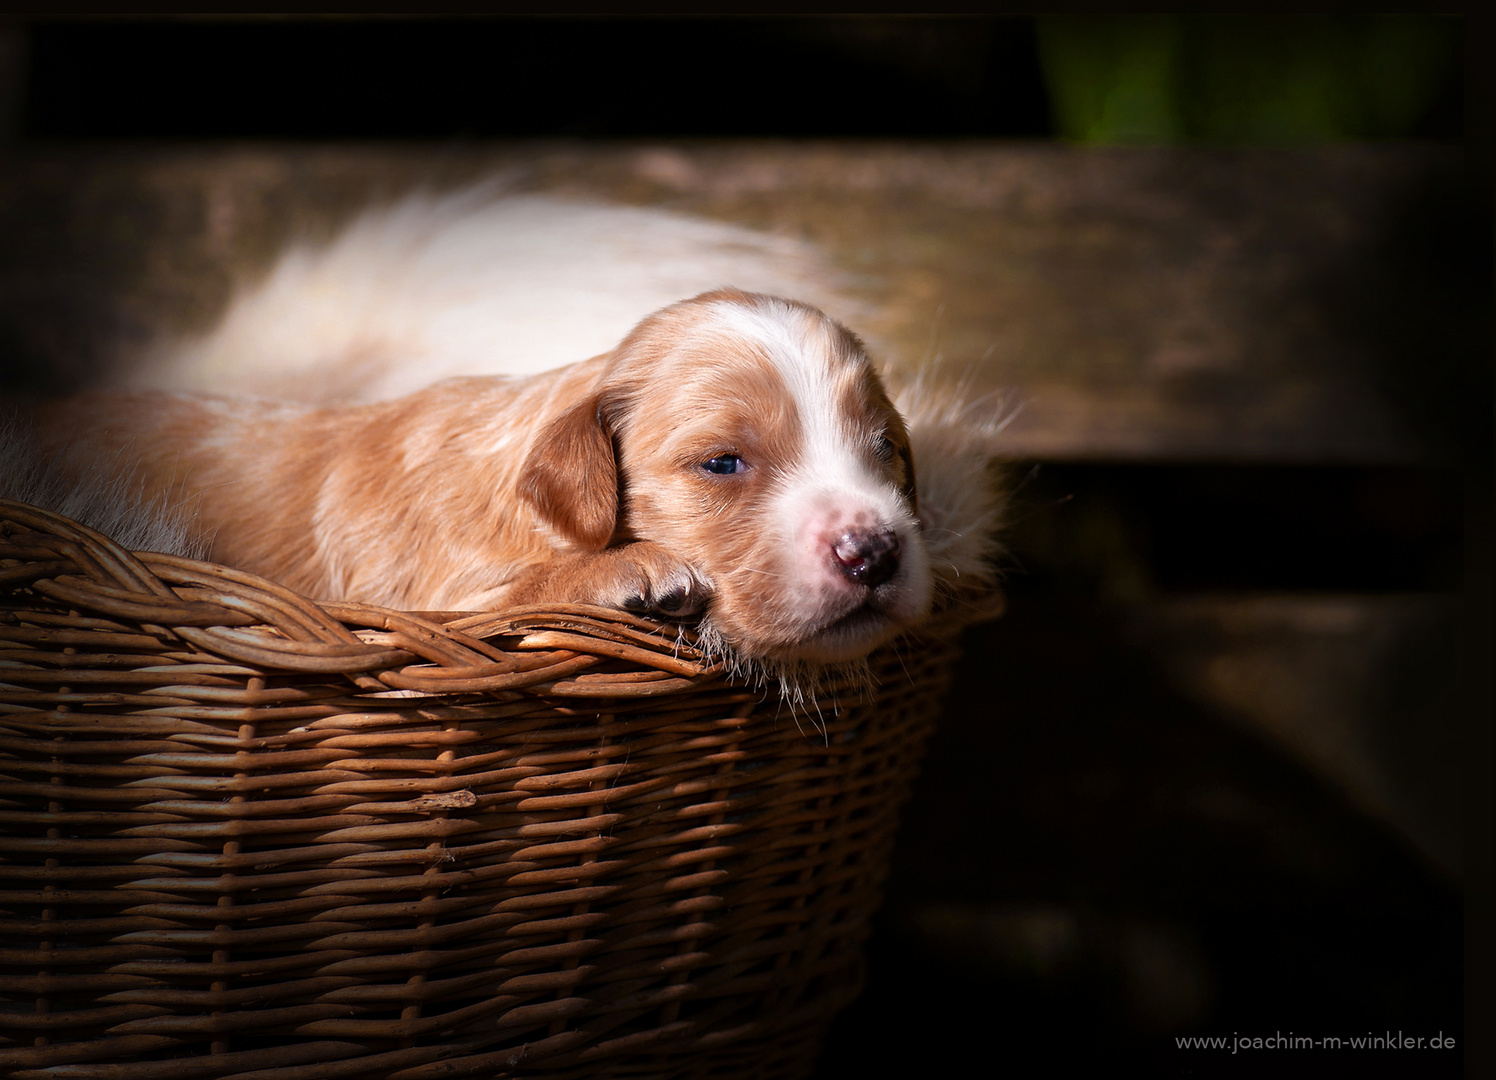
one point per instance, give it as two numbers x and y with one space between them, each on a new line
243 834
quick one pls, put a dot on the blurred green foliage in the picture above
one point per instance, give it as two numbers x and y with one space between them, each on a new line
1247 78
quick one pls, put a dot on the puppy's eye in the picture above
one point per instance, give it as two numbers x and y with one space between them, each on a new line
723 464
883 449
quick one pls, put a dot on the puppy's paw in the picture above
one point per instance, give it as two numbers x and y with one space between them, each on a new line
648 580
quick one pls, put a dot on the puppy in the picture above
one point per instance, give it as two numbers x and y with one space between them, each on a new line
735 459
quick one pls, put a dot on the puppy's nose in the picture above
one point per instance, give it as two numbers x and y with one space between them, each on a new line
867 557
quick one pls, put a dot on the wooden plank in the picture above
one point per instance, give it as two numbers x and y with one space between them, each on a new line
1137 303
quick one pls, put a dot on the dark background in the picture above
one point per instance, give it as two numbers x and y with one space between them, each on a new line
610 77
591 77
1300 911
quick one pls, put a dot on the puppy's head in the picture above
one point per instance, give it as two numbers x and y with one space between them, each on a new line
750 436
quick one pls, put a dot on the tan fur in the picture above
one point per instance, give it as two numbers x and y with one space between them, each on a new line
104 495
581 484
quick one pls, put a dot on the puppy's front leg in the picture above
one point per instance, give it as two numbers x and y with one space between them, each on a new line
641 576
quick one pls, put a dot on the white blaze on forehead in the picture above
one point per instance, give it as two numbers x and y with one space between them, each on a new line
803 348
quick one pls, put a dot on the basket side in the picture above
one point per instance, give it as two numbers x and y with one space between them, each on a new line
246 835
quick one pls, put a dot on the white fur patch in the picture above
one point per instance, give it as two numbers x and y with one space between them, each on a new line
469 284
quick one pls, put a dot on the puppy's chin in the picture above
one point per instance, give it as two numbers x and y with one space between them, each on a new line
850 637
833 637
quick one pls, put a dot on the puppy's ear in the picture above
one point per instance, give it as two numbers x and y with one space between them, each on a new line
896 431
908 488
898 434
571 476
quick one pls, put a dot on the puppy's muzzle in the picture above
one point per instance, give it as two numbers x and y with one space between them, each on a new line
867 557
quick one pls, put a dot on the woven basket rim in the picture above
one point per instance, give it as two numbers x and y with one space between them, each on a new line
248 619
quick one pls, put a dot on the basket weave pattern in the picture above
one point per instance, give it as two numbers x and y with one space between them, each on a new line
243 834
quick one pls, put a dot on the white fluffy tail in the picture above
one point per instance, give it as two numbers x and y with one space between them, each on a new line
472 284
